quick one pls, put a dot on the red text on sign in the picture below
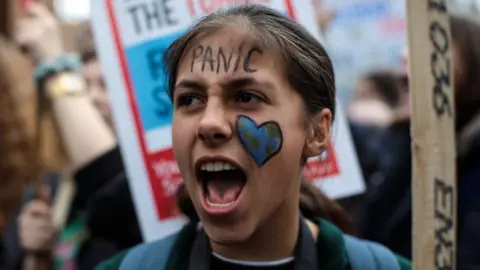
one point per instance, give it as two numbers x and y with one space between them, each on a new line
165 182
325 165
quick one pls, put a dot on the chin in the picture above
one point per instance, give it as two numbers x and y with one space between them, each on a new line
229 235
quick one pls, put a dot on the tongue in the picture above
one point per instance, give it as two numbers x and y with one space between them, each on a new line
221 191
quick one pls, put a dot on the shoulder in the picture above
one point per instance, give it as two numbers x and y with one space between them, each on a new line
364 254
153 255
404 263
113 262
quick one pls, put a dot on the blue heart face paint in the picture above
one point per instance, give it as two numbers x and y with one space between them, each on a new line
262 141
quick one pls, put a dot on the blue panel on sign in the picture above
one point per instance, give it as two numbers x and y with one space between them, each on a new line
360 11
145 62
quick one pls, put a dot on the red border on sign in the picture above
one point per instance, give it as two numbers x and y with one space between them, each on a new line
155 185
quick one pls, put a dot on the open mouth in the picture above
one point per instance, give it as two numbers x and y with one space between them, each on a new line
222 185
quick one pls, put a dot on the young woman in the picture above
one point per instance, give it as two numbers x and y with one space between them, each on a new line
376 98
254 97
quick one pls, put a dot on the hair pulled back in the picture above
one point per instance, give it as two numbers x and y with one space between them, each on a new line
386 83
466 36
306 65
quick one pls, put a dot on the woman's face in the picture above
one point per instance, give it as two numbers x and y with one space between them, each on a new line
96 88
238 173
367 90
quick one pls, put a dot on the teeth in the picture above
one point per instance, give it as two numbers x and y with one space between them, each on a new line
217 166
210 166
220 205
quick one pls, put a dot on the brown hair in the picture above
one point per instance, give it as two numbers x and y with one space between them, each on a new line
310 72
466 38
19 163
466 35
85 42
386 83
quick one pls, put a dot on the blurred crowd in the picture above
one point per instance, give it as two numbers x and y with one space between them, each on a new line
46 141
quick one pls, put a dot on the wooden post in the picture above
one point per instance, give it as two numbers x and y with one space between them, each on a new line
433 135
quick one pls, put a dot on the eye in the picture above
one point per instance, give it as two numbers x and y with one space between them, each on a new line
188 100
246 97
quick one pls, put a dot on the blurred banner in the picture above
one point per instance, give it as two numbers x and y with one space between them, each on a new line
363 35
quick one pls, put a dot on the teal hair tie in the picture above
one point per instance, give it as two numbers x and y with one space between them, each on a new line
67 62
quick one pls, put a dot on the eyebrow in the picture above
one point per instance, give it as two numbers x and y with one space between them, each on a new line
229 84
242 82
191 84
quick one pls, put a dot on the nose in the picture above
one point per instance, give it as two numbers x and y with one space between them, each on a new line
214 128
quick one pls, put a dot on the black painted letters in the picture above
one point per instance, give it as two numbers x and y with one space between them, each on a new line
226 63
444 203
440 69
246 63
217 59
197 52
207 58
439 5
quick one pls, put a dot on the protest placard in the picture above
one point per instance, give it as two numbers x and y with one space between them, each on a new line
377 28
434 182
131 37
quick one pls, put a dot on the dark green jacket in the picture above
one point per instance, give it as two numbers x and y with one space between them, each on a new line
330 243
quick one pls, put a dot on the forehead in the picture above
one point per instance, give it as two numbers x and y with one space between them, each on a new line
227 53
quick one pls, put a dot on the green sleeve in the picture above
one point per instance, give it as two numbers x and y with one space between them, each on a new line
114 262
404 263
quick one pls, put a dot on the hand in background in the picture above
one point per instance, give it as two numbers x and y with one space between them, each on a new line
36 228
39 32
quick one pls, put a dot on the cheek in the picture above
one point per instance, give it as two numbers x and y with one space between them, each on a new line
182 136
278 176
292 150
294 133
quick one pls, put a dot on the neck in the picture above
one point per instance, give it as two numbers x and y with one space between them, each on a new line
274 240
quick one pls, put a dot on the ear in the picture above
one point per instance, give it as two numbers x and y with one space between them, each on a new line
318 133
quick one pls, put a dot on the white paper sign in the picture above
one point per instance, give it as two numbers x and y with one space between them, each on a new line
131 37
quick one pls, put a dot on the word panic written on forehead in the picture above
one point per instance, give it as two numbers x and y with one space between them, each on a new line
216 59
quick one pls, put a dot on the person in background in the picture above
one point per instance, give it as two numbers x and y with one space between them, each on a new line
15 133
389 209
110 203
241 137
376 98
91 70
93 155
